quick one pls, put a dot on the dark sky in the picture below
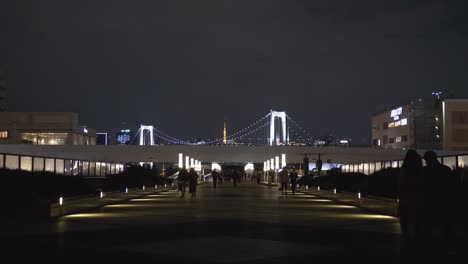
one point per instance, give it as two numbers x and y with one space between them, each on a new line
185 66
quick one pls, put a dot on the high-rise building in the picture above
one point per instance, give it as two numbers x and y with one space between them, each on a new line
3 90
440 124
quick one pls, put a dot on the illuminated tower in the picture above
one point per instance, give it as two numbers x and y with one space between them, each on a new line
224 134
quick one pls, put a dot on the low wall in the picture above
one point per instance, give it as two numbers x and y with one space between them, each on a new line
76 205
376 204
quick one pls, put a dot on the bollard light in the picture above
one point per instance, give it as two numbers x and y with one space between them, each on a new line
172 184
143 187
61 200
101 194
318 188
156 186
126 189
307 187
165 185
359 195
334 191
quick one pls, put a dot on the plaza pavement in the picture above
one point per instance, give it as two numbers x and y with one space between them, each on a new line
249 223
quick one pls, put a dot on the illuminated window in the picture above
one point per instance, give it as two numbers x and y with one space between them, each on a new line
404 121
397 123
398 139
391 125
44 138
3 134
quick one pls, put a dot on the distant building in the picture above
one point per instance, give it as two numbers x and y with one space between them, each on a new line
44 128
102 139
3 90
440 124
124 137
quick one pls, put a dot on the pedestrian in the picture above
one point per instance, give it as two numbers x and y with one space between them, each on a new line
215 176
411 197
438 196
284 179
293 180
193 181
182 181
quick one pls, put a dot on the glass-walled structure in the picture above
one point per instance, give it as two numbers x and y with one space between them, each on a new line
454 162
59 166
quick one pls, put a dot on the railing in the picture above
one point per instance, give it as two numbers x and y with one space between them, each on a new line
59 166
452 161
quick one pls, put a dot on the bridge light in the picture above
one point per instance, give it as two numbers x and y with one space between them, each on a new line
181 161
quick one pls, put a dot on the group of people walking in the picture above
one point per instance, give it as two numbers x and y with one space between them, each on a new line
187 177
427 197
286 179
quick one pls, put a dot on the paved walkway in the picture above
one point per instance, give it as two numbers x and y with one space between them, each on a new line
244 224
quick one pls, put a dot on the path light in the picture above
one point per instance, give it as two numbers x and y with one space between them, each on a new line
334 191
61 200
101 194
156 186
172 184
126 189
318 188
165 185
143 187
359 195
307 187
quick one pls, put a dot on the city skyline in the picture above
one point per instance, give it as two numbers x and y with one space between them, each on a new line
189 67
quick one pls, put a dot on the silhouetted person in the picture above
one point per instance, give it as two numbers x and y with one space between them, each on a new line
215 176
284 179
319 166
193 181
182 180
270 176
439 189
305 165
293 180
235 177
411 196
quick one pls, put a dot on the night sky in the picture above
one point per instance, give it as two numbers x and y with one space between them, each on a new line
185 66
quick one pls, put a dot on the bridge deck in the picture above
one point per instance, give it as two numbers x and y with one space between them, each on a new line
245 224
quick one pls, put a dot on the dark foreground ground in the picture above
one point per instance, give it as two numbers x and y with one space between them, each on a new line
244 224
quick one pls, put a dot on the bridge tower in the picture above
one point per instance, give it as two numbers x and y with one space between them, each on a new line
273 137
143 129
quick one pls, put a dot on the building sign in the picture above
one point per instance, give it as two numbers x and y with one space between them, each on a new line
395 113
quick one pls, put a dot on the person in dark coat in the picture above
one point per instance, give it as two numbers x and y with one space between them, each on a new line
439 189
293 180
411 197
182 181
193 181
215 176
